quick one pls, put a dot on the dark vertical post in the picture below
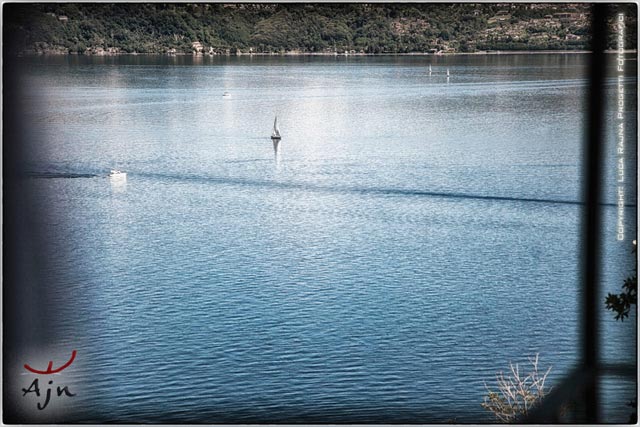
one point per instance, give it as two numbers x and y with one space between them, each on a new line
592 179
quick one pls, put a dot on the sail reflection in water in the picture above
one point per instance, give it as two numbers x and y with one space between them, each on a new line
276 150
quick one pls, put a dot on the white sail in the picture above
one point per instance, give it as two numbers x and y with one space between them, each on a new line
276 131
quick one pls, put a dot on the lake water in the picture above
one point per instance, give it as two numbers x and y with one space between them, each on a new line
412 236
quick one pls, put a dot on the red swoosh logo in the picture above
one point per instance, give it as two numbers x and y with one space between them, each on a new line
50 369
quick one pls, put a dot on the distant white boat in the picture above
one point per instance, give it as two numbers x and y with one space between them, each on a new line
226 95
429 68
275 134
447 72
116 174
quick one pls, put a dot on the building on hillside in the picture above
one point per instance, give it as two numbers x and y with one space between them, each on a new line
197 47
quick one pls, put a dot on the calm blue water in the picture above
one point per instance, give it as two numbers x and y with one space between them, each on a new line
411 237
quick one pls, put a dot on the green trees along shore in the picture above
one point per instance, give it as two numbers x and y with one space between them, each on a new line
305 28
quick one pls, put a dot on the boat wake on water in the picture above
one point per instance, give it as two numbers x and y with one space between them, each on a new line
59 175
113 173
316 188
362 190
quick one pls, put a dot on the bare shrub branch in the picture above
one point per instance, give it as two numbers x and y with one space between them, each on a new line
516 393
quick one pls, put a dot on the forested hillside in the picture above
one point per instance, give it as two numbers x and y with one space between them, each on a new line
313 28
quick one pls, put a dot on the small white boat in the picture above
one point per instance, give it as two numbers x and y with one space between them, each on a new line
447 72
117 174
226 95
275 134
429 68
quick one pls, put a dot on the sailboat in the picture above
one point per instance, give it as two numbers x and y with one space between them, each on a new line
447 72
429 68
275 134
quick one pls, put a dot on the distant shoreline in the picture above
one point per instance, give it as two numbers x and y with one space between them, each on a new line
289 54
